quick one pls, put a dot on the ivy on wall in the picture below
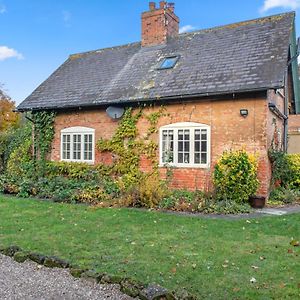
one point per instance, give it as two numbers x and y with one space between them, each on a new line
43 133
127 147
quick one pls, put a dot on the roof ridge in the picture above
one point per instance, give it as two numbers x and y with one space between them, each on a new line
232 25
240 23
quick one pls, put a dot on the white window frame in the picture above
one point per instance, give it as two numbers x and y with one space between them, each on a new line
77 130
184 126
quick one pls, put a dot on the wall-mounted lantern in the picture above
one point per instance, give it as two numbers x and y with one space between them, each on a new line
244 112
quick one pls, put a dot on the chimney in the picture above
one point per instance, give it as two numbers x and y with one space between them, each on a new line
159 24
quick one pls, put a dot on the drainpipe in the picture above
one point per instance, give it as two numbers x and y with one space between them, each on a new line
285 111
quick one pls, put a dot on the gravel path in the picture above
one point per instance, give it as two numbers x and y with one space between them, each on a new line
30 281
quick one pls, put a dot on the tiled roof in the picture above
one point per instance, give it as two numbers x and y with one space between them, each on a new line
244 56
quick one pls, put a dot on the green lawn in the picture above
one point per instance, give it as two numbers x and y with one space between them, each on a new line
211 258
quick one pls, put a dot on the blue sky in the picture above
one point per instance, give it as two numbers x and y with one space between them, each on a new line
36 36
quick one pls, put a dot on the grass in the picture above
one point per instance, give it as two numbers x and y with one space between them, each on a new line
212 258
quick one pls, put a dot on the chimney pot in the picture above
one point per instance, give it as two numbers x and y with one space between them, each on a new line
171 7
152 6
162 4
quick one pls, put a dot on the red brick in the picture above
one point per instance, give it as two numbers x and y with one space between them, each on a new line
228 131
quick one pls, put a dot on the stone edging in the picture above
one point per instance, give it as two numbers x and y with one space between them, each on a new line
128 286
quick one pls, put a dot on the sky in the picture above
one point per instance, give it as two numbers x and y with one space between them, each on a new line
37 36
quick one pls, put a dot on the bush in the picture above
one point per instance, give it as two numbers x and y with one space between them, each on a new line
149 192
284 195
181 200
72 170
235 177
92 195
225 207
10 140
294 167
281 172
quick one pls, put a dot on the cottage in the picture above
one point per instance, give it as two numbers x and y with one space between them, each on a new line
227 87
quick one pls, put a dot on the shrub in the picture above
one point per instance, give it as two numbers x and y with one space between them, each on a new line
72 170
10 140
281 173
294 167
235 176
20 163
284 195
92 195
181 200
149 192
225 207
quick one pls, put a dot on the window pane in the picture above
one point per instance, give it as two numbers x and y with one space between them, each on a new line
204 146
88 147
184 146
169 62
203 134
168 146
186 158
180 158
66 146
197 158
187 135
180 135
180 146
203 158
77 146
197 146
197 134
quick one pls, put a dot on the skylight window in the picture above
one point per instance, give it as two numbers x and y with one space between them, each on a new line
169 62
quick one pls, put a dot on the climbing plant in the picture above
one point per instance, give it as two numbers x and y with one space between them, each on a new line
127 147
43 134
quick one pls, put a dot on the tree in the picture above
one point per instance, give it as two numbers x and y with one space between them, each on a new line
8 118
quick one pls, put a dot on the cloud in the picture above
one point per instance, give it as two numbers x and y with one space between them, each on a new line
2 9
289 4
186 28
67 16
6 53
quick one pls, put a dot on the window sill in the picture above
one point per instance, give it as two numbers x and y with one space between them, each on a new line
190 166
89 162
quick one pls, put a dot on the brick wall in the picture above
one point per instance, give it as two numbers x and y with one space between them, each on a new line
228 131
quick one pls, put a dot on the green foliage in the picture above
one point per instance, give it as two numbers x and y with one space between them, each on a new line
149 192
235 176
225 207
285 169
182 200
281 173
43 137
12 139
72 170
20 163
294 166
127 148
199 201
285 195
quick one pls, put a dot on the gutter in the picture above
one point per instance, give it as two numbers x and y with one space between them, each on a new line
156 99
276 111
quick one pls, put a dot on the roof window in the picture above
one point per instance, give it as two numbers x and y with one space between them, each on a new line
169 62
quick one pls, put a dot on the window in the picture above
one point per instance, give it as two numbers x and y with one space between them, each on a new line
77 144
185 145
169 62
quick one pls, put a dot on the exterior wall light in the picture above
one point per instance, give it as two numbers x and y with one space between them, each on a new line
244 112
